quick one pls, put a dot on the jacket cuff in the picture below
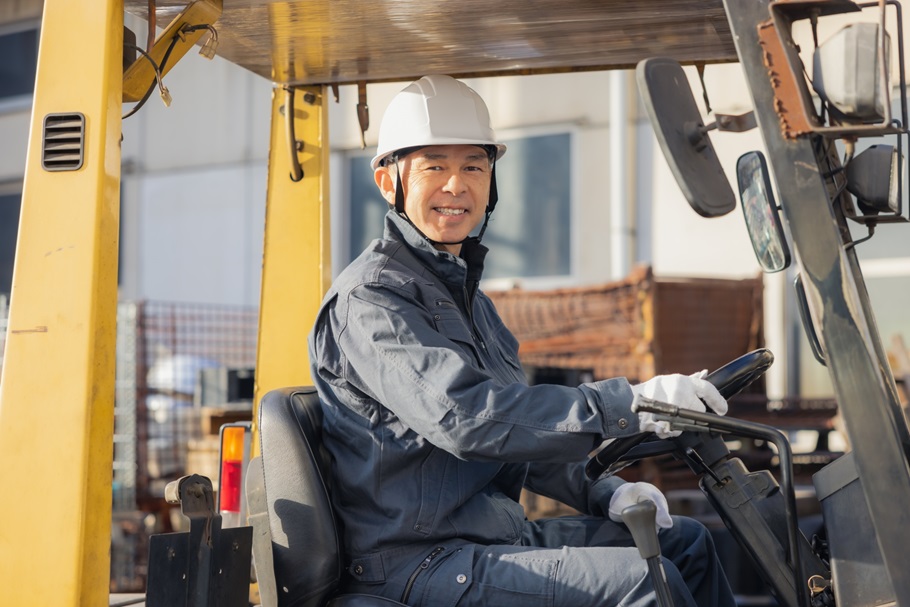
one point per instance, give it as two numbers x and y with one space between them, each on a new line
614 399
599 494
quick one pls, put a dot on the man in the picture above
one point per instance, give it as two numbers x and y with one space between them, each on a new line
430 424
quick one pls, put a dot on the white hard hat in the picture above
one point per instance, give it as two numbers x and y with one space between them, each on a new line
435 110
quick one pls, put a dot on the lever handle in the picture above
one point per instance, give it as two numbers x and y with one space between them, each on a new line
639 518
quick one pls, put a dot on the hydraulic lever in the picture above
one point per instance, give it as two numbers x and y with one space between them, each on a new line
639 518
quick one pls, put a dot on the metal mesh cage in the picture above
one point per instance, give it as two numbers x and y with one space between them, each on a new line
162 351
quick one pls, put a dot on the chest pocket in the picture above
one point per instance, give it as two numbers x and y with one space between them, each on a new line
450 323
513 367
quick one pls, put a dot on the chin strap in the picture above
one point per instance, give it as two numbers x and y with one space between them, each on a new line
491 204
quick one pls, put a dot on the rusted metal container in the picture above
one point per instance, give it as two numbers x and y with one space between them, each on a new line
637 327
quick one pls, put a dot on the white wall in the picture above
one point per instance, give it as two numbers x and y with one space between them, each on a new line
681 242
194 181
207 152
215 135
198 236
194 186
684 242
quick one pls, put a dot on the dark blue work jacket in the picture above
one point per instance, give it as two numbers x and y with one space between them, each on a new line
429 421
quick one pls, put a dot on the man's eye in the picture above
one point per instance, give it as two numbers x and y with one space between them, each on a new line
476 169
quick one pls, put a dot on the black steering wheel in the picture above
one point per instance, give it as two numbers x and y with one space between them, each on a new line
729 380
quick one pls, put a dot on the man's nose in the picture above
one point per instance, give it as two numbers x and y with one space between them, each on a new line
454 184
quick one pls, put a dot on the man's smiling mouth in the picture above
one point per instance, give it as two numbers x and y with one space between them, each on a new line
445 211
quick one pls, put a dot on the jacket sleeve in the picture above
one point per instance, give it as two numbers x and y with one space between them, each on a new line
567 483
390 349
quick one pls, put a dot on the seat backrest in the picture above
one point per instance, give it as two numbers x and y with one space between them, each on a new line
305 542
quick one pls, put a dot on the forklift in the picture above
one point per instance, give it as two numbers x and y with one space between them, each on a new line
57 390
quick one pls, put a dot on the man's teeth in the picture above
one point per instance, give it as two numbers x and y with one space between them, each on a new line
450 211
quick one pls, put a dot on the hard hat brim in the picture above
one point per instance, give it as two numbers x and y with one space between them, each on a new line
500 148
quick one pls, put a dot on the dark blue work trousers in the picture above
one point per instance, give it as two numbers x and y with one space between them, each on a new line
579 561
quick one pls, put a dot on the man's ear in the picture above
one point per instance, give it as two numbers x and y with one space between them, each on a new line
385 181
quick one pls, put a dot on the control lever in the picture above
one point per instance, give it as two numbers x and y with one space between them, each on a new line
639 518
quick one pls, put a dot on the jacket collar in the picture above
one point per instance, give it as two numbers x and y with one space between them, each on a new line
464 270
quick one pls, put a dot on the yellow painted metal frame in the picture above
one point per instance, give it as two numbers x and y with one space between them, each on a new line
296 263
57 390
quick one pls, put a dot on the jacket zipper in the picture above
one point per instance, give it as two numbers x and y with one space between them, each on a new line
469 306
424 565
479 343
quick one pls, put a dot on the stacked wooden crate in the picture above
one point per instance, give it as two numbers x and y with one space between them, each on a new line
636 328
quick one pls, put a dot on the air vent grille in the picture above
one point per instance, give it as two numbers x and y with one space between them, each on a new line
63 146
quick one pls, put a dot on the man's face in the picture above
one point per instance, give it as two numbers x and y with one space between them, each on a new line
446 189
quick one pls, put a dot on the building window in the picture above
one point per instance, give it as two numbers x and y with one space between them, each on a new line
529 234
17 72
9 228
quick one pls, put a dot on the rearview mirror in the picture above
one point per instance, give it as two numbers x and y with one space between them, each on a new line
760 212
683 137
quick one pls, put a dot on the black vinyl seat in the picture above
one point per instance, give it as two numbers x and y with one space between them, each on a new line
305 544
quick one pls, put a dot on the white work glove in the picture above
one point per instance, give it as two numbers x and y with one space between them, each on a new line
631 493
684 391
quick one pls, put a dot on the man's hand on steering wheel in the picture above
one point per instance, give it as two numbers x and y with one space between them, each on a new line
685 391
729 380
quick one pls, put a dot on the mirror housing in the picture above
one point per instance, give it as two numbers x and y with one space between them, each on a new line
802 304
760 213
